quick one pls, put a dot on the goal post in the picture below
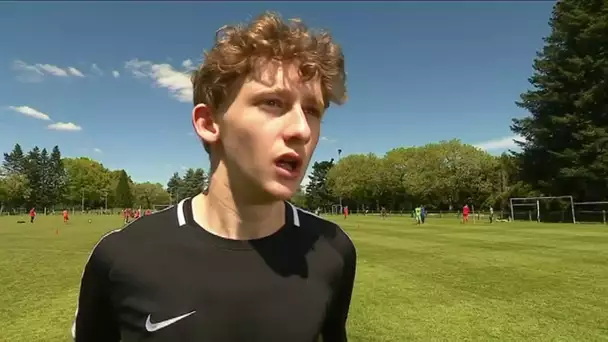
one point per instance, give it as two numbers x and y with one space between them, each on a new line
336 209
564 204
591 212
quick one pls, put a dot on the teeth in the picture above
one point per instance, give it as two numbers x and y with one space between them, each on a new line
286 165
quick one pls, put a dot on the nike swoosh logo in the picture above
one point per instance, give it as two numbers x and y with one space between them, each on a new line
163 324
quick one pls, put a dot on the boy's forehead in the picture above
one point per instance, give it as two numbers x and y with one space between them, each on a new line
283 77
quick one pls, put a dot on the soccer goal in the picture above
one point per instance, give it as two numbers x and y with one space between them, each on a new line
336 209
543 209
591 212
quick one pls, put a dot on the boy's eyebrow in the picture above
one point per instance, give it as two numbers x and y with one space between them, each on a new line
308 98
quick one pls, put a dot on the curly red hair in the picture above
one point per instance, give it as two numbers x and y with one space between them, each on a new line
240 50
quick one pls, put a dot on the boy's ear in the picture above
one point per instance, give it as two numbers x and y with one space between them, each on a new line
204 124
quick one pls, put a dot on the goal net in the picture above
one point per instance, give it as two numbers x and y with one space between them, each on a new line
543 209
336 209
591 212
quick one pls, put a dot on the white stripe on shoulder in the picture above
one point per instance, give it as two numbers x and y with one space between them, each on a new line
309 213
324 219
296 216
181 215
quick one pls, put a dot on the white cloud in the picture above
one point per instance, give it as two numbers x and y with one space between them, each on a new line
52 69
188 65
64 126
326 139
97 150
20 65
31 112
34 72
115 73
57 126
75 72
163 75
96 69
183 167
500 144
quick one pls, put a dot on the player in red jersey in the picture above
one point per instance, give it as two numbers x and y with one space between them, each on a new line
465 213
66 216
32 215
126 214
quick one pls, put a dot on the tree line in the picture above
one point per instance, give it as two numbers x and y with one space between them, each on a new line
443 175
565 138
47 180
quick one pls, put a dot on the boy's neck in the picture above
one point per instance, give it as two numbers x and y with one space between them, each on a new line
224 213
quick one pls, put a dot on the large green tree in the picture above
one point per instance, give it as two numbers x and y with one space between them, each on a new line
174 187
439 175
34 173
110 193
124 196
192 183
14 161
88 181
566 147
317 191
148 194
57 178
14 190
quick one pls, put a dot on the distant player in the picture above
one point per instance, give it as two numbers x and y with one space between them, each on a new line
66 216
422 214
126 215
465 214
345 212
417 214
383 212
32 215
491 214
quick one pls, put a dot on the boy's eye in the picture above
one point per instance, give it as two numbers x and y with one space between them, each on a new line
312 111
272 103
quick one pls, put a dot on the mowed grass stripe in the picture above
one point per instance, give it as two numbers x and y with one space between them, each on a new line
440 281
512 273
40 269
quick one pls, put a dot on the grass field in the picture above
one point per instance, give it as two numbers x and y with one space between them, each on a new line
441 281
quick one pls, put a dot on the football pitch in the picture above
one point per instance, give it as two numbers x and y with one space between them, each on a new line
439 281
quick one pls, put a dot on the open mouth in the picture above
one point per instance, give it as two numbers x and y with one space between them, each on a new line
290 163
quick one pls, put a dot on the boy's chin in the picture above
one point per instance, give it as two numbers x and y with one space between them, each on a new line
282 192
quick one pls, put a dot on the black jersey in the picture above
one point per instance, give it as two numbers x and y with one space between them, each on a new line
165 278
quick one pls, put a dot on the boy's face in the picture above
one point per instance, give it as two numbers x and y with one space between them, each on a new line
271 129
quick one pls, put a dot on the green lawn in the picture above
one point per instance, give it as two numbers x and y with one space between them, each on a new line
441 281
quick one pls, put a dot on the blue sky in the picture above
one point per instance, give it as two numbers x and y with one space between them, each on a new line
107 80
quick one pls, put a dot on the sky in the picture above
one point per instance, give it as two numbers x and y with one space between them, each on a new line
110 80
